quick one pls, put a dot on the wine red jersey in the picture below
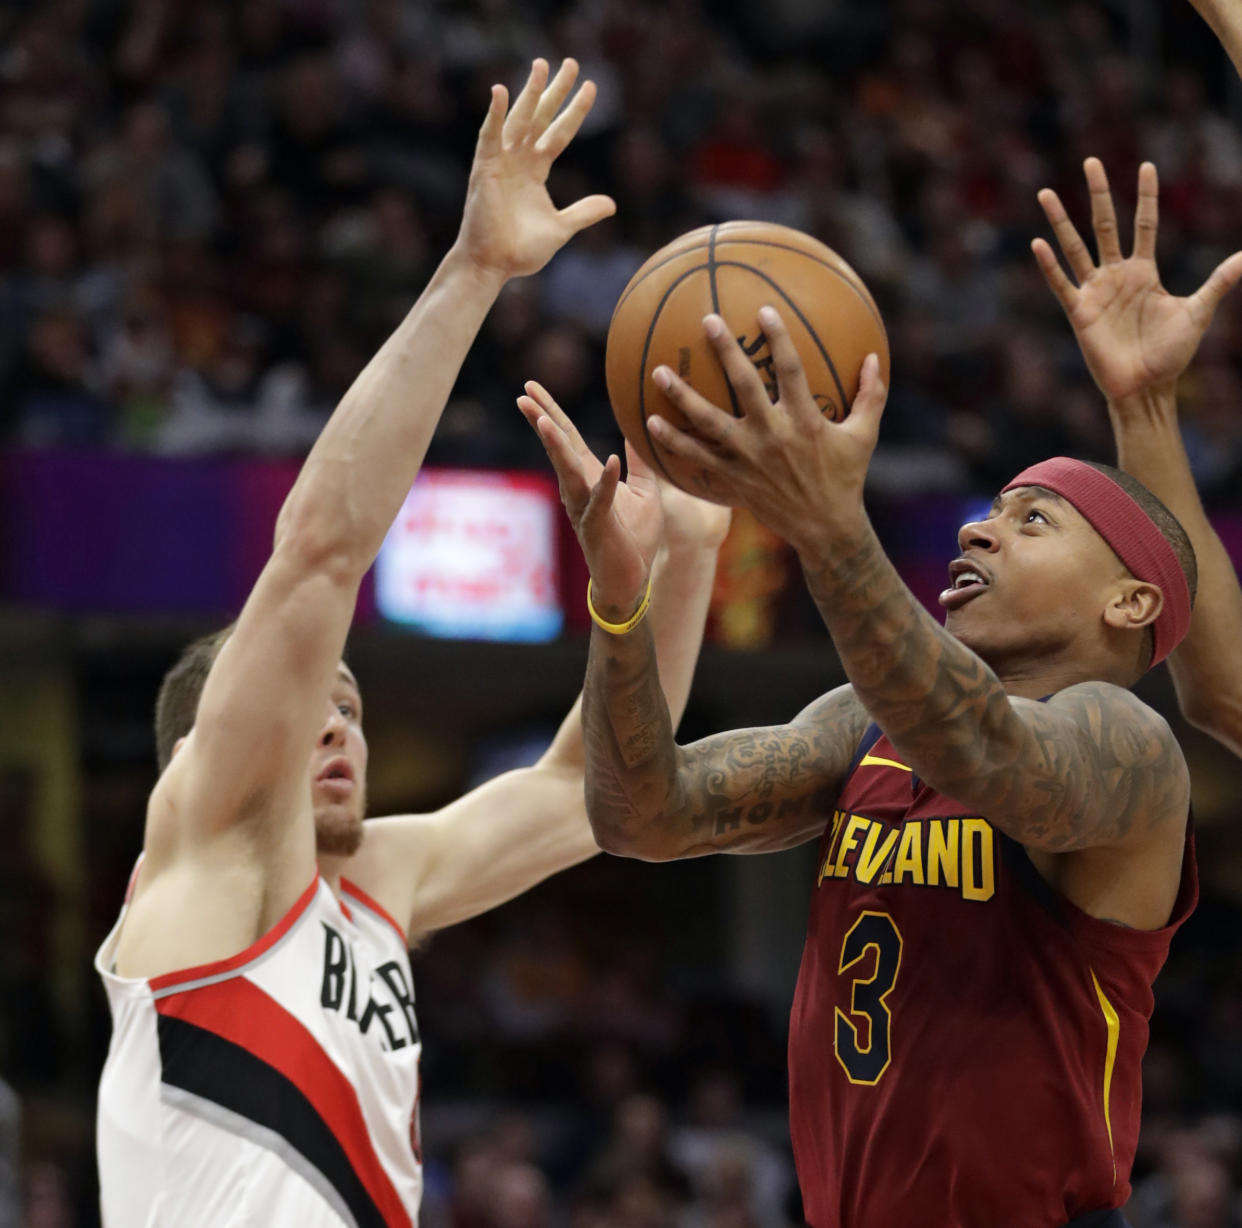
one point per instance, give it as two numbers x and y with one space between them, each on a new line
965 1044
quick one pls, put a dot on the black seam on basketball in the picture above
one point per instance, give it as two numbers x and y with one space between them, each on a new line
642 368
711 276
819 345
854 282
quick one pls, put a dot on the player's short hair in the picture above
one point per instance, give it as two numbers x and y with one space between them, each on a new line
176 706
1164 520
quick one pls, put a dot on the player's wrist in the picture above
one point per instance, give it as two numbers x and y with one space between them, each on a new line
464 263
1152 407
829 539
616 611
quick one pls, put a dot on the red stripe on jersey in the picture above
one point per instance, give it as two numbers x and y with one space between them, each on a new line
133 878
374 905
252 952
241 1012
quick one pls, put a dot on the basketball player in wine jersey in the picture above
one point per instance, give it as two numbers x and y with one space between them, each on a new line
264 1064
1004 844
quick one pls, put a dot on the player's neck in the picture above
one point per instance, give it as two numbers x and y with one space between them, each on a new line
330 869
1033 679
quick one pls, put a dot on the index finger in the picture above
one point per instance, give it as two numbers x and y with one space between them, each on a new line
1068 239
536 392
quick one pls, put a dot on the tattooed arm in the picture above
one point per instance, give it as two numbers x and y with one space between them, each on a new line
1093 767
746 791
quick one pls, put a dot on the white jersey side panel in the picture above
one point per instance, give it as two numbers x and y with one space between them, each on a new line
279 1087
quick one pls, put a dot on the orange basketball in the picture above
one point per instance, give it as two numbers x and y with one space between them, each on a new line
734 269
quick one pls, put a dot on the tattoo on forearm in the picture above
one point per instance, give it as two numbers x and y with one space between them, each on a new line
1078 771
748 789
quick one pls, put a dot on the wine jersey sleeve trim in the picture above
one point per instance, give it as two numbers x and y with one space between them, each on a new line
1113 1024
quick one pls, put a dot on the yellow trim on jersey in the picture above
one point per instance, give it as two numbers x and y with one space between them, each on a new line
1113 1023
875 761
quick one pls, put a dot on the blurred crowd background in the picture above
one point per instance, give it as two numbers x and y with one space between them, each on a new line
212 213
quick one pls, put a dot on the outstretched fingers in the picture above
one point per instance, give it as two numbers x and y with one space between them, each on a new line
572 472
1054 274
1067 236
546 403
561 130
1147 212
552 98
517 126
1103 215
490 132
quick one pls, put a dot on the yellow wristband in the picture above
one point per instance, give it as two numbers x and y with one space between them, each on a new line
630 623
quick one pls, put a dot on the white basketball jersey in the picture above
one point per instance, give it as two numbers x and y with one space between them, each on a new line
278 1087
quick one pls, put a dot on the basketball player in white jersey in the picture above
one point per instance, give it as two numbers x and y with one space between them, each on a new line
264 1061
1137 340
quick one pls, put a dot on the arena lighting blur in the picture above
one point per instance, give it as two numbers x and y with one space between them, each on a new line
473 555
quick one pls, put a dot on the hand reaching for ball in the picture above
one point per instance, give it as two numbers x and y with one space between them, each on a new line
799 472
619 524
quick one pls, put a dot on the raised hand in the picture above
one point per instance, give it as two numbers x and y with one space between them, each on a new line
1134 334
510 227
618 523
799 472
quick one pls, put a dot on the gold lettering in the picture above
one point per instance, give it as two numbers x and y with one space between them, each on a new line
910 854
849 840
942 838
828 869
977 877
870 862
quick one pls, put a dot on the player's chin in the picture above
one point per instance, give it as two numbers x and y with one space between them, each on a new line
338 830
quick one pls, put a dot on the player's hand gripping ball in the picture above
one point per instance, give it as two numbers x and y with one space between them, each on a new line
733 269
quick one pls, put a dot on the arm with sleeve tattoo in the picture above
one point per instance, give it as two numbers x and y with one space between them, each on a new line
746 791
1094 766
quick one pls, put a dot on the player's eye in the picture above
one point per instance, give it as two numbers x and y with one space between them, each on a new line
1033 513
347 710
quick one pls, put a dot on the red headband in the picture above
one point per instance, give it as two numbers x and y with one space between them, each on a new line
1121 522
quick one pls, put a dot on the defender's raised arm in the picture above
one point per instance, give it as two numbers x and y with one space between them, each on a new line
243 770
1137 340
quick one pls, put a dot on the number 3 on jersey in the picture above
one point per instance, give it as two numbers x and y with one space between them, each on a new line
863 1043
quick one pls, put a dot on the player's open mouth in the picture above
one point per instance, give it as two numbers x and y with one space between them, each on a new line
337 777
967 581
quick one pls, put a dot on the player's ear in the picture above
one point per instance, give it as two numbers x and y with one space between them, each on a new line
1133 604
